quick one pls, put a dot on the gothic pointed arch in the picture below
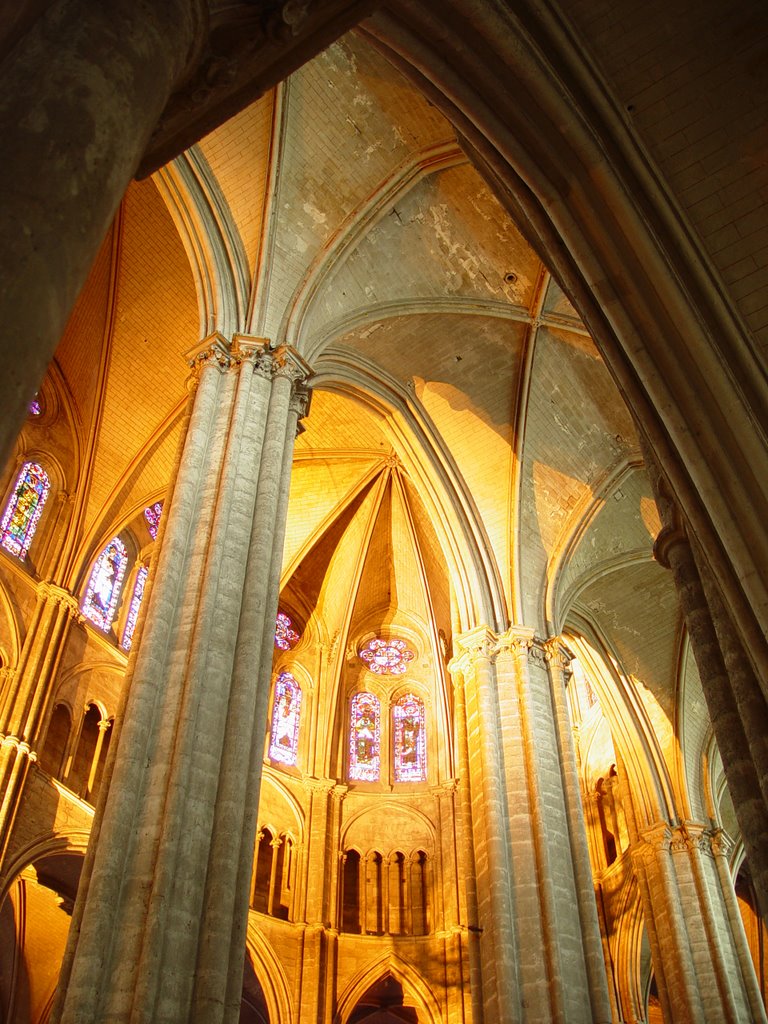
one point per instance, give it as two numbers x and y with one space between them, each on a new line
404 973
271 976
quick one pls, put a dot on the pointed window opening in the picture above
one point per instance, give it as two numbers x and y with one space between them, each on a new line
286 714
22 514
410 740
365 737
152 516
133 611
285 635
103 592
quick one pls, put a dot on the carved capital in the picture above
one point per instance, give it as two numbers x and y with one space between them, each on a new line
692 836
301 397
211 351
517 641
247 348
315 785
477 644
554 653
58 595
659 836
720 843
289 363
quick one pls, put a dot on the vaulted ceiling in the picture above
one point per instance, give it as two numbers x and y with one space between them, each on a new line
338 214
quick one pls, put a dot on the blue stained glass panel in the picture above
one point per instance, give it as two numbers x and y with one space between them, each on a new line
365 737
410 739
286 713
24 509
103 591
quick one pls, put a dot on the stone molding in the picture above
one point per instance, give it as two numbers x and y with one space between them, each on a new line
483 643
668 537
58 595
685 837
554 654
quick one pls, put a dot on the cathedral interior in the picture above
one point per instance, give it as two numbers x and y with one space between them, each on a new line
365 608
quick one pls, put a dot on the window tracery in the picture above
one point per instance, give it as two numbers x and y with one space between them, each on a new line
365 737
286 714
410 748
103 591
285 635
387 657
133 611
22 514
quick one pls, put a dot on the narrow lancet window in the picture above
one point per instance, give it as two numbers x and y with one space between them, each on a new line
103 591
152 516
285 635
133 611
410 738
24 509
286 713
365 737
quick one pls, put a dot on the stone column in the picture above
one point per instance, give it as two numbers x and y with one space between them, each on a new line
530 729
80 94
699 972
104 726
465 848
582 868
720 847
673 551
159 930
540 951
495 882
27 695
736 704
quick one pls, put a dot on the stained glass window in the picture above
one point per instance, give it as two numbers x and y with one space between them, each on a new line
152 516
103 591
23 511
285 635
35 408
133 611
410 739
365 737
284 735
386 657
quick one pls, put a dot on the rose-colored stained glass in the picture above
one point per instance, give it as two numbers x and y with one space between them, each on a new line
133 611
386 657
103 590
152 515
365 737
285 635
286 713
23 511
410 739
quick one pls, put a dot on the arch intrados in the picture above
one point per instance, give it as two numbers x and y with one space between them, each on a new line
467 550
73 843
270 975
